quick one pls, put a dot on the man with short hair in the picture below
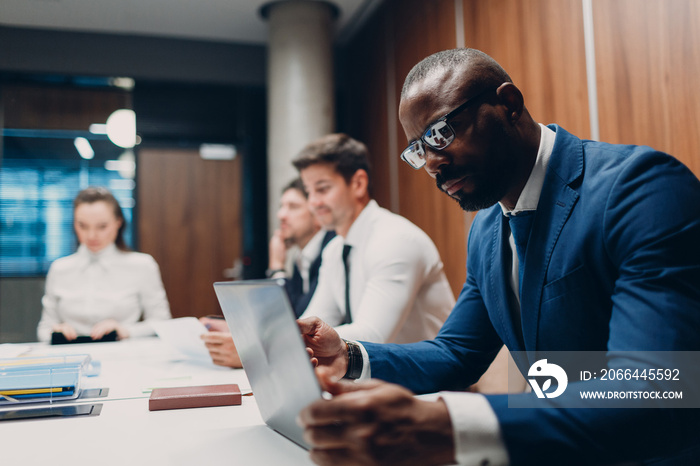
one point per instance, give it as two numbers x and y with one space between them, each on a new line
579 246
297 245
382 280
295 255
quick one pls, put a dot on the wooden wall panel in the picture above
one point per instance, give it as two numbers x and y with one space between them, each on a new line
540 43
366 76
399 35
189 217
420 29
648 67
59 108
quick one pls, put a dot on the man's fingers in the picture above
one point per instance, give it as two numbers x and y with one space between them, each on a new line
336 386
216 338
330 457
327 436
350 404
328 381
308 325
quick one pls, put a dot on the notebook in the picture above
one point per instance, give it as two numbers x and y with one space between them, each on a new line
272 351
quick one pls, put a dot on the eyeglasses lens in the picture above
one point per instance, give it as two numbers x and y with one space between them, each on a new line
439 135
414 155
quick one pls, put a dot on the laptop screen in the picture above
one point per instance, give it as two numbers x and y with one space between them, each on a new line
272 351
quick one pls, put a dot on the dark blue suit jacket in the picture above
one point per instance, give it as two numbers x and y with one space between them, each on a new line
295 287
613 264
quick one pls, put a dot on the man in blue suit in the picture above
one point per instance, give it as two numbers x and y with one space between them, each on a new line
579 246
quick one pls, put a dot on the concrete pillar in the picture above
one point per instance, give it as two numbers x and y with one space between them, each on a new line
301 103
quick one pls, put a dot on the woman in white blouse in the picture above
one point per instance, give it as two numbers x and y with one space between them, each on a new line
104 286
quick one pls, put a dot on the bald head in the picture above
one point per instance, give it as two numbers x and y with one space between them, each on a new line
474 69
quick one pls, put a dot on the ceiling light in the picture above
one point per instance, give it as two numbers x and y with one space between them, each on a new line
84 148
121 128
217 151
98 128
124 83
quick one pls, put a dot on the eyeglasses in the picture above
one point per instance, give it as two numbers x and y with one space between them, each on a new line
437 135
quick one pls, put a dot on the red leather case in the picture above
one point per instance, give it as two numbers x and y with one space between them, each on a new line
194 397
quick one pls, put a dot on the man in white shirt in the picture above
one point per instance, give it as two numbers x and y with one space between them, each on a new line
295 255
562 258
397 290
296 246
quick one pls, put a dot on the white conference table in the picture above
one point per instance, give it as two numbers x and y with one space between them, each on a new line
127 433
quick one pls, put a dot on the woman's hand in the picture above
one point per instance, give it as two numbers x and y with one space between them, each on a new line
67 330
106 326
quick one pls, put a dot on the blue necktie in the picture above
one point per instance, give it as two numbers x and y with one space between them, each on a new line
520 226
346 253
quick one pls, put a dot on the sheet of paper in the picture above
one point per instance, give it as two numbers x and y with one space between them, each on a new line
184 334
12 350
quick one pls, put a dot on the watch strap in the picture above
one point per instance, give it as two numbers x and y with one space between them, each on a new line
355 362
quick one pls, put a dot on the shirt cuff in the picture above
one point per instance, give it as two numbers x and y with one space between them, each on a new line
477 434
366 370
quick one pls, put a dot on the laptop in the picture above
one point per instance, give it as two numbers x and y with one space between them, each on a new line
273 353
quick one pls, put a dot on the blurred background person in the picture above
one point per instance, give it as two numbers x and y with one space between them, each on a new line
296 246
103 287
295 256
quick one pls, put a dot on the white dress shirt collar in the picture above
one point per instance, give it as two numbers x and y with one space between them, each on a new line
313 247
530 196
102 257
356 233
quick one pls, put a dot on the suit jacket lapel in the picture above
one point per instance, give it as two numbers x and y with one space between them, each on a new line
553 210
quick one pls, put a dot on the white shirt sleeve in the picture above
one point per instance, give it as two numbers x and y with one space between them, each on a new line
477 434
152 299
49 314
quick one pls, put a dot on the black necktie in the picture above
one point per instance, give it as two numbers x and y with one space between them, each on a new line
295 291
520 226
346 253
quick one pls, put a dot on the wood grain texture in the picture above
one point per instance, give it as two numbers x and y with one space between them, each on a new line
399 35
59 108
366 75
648 67
189 217
420 29
540 43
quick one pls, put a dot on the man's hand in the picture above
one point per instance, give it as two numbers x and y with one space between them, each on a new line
325 347
377 423
278 251
220 343
214 325
101 329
